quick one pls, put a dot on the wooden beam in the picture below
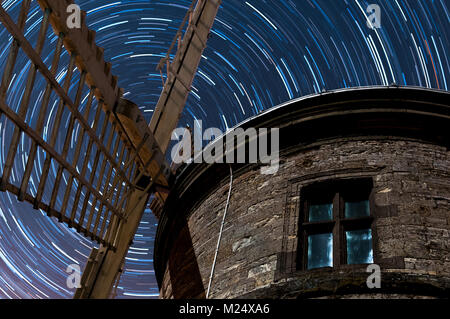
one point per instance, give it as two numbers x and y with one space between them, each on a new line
182 71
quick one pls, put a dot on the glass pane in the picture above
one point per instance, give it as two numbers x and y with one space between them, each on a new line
318 213
357 209
359 246
320 250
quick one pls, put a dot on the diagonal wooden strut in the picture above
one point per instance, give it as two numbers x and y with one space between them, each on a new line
182 70
181 73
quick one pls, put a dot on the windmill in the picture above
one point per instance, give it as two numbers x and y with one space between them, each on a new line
111 175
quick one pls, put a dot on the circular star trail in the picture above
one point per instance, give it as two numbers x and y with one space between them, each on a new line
261 53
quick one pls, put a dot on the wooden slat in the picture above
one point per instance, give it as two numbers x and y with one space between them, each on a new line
50 150
53 136
12 28
182 71
14 50
44 145
90 58
75 162
40 121
67 141
107 189
23 108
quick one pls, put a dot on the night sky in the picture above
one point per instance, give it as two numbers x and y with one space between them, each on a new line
261 53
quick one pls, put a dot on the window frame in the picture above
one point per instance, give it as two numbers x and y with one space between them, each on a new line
336 192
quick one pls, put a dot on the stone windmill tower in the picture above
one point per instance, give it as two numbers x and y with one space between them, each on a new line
363 183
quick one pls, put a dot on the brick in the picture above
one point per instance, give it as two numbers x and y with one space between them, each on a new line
410 178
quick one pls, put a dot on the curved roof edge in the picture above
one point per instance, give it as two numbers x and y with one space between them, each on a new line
410 112
335 103
353 90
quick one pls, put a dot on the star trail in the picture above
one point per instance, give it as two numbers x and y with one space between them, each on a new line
261 53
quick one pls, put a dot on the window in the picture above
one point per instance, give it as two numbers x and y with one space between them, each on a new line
335 224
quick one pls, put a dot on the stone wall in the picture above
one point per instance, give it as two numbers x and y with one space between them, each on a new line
411 189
